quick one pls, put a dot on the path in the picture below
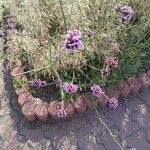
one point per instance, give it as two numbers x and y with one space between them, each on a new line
130 122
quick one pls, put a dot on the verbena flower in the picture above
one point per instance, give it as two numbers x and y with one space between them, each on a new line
70 87
57 82
61 113
96 90
38 83
73 40
90 33
105 72
115 47
113 103
127 13
1 33
112 61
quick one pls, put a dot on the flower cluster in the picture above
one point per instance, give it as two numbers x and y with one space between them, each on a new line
112 62
115 47
57 82
70 87
38 83
127 13
61 113
73 41
105 72
90 33
96 90
113 103
11 24
1 34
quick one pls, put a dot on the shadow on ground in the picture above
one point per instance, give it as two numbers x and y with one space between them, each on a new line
130 123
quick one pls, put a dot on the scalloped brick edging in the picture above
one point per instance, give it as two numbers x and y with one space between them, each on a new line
33 108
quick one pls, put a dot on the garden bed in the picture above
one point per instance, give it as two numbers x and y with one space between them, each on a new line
33 108
80 58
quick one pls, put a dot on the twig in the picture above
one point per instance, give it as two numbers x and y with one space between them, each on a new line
99 118
61 6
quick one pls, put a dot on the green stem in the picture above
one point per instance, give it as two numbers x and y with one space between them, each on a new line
62 93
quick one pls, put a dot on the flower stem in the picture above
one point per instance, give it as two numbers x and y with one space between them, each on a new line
61 6
99 118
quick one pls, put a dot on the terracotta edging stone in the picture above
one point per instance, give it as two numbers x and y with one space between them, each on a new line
113 92
41 110
134 84
144 79
24 98
102 100
55 106
79 104
52 109
124 89
90 101
28 111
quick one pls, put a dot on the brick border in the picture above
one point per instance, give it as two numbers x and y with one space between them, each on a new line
33 108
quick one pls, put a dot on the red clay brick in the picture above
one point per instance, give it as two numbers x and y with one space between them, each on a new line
79 104
56 105
41 111
134 84
143 78
148 73
22 90
53 107
113 92
124 89
24 98
28 111
68 106
90 101
103 100
16 70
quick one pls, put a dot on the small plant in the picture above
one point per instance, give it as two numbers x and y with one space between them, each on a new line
19 83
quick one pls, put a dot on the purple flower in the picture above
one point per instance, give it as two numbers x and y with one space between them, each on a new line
73 40
105 72
112 61
127 13
113 103
57 82
70 87
96 90
1 34
38 83
61 113
90 33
